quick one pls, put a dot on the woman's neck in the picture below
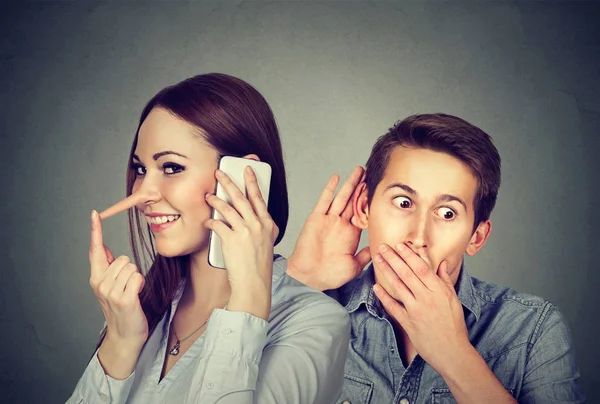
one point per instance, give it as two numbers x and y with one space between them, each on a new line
206 287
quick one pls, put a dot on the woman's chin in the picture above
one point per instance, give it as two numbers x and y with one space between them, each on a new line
171 251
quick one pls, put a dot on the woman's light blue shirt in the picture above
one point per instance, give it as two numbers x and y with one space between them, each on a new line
297 356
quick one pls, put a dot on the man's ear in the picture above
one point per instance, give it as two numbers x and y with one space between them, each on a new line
479 238
361 207
251 157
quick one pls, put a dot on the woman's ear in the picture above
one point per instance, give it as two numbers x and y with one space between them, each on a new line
251 157
361 207
479 237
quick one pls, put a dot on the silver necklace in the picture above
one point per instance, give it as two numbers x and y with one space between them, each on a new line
175 350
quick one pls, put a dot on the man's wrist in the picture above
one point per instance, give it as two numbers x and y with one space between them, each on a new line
454 367
302 276
471 380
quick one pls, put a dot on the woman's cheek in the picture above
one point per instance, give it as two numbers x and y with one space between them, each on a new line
136 186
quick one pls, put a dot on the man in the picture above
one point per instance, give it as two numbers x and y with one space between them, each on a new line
423 329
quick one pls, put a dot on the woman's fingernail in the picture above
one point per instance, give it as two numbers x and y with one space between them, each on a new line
249 170
400 247
206 195
219 173
94 220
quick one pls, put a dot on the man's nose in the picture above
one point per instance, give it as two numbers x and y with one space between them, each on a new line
418 231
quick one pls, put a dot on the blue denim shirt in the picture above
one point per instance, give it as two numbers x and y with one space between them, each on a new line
524 340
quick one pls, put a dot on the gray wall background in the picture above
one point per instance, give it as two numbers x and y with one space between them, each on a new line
75 76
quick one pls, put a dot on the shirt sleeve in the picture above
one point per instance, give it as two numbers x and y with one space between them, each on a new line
551 373
303 364
95 386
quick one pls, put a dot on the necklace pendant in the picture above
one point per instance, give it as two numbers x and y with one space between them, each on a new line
175 350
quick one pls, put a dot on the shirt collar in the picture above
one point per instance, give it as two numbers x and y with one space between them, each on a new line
360 291
466 292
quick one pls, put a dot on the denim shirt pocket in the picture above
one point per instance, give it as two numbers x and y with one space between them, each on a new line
444 396
355 391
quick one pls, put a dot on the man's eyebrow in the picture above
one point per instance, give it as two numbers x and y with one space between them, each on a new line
451 198
442 198
160 154
401 186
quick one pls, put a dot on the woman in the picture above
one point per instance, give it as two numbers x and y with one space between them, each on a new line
187 332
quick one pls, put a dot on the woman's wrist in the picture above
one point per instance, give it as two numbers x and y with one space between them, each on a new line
119 357
254 298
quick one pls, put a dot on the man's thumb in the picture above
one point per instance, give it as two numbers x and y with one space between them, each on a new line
363 258
443 273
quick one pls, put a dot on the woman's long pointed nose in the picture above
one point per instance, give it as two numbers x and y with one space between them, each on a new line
137 198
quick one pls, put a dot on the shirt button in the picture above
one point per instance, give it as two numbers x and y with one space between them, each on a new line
209 385
346 402
404 401
227 331
103 397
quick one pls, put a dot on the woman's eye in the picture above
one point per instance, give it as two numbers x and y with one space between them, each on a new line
171 168
138 169
403 202
445 213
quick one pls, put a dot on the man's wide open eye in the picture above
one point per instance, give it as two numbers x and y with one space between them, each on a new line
403 202
445 213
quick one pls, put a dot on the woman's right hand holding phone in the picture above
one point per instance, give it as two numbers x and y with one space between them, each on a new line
117 284
247 244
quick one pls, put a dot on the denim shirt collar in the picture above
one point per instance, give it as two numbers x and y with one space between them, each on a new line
360 291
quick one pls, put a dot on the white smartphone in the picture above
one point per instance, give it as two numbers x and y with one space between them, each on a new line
234 167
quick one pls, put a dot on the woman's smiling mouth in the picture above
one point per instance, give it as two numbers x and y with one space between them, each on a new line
161 222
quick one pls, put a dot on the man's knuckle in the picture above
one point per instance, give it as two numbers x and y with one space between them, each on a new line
423 269
397 284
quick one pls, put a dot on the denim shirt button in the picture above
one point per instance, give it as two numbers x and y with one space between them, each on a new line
404 401
346 402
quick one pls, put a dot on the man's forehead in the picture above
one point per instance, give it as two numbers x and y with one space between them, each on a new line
429 173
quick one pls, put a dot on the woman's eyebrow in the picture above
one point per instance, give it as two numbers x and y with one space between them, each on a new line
158 155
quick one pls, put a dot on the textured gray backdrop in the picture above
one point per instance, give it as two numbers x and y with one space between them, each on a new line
75 76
